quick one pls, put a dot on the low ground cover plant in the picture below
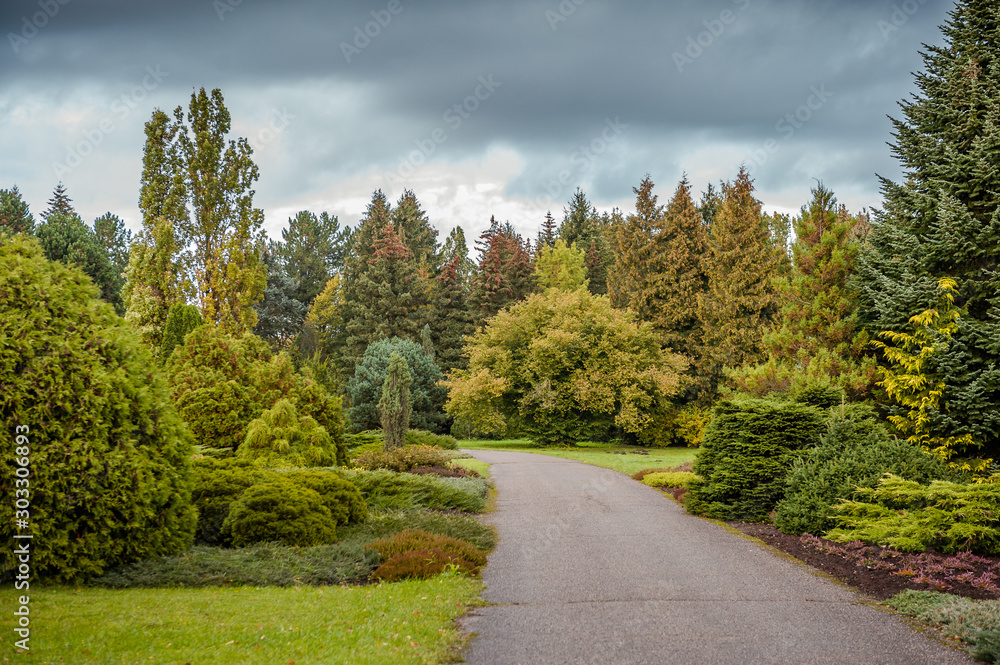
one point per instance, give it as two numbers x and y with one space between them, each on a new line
949 517
403 458
415 553
974 622
385 490
670 479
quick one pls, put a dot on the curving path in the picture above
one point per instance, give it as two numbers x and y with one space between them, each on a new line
593 567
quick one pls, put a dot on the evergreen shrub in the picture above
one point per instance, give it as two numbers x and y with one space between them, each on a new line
669 479
86 411
746 455
389 490
281 438
341 497
280 511
217 484
854 452
421 554
403 459
417 437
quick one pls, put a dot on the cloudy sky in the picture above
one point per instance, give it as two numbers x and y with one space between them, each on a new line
481 108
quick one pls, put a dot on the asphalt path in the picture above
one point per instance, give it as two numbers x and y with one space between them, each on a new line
593 567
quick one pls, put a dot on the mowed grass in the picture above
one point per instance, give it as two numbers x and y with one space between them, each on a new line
403 622
626 459
476 465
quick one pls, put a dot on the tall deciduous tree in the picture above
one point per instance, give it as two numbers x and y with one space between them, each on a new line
943 221
561 267
505 273
14 214
741 263
816 340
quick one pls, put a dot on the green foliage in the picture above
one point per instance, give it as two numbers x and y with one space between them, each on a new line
416 437
421 554
112 234
364 389
452 315
854 452
403 458
390 490
340 496
505 274
975 622
218 415
642 473
394 404
949 517
669 479
14 214
65 238
109 473
747 452
684 427
310 253
280 511
582 226
563 367
217 484
280 315
181 319
280 437
463 527
561 266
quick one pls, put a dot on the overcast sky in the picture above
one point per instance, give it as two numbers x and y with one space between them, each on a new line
481 108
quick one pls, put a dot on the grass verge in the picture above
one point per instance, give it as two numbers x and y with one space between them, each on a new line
402 622
974 622
626 459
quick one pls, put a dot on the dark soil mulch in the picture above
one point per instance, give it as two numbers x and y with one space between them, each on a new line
882 572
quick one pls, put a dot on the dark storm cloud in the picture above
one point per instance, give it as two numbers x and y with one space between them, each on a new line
680 75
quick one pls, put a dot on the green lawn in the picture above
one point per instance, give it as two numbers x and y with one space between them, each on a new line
404 622
599 454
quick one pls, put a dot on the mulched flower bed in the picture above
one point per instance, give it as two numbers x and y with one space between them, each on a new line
882 572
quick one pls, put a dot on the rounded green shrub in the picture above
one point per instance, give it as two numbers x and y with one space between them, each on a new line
280 438
854 453
217 485
747 452
218 415
108 457
280 511
341 497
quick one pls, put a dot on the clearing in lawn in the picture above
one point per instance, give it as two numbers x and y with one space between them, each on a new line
403 622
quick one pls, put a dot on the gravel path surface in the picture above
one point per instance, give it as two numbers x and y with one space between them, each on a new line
593 567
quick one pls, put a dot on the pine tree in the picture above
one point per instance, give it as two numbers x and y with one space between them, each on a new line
112 234
505 273
943 221
453 319
59 204
394 406
310 252
14 214
741 263
389 302
816 340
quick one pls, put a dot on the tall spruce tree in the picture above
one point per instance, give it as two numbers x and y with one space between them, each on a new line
452 317
741 263
548 233
64 237
633 245
816 340
583 226
14 214
416 231
388 299
455 246
943 221
505 274
59 204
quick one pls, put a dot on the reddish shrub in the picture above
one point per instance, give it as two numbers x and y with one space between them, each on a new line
420 564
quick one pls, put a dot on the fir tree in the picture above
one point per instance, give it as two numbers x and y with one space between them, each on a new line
280 314
415 230
112 234
59 204
943 221
633 245
67 239
453 319
14 214
711 201
816 340
505 274
583 226
454 247
548 234
741 263
394 405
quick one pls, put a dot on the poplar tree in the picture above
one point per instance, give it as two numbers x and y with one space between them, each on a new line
816 339
740 264
943 221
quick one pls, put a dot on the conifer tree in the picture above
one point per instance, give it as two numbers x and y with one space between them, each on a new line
943 221
548 234
65 238
741 263
59 204
113 235
416 231
816 340
14 214
310 252
633 245
453 318
505 274
181 320
711 201
561 267
582 225
455 246
388 301
394 405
